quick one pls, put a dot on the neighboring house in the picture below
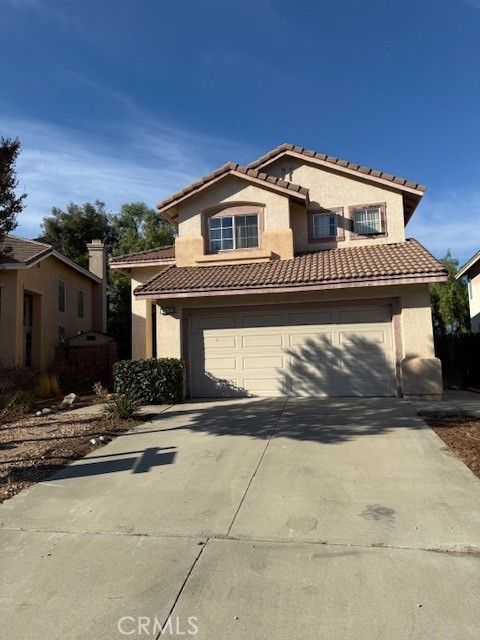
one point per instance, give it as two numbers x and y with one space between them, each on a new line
291 276
46 298
471 270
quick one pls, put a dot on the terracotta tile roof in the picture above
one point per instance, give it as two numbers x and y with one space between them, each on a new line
381 263
159 254
25 251
308 153
231 167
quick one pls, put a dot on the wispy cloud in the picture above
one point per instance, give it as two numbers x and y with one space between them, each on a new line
473 3
146 163
449 221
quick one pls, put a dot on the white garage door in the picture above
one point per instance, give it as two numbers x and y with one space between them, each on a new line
324 352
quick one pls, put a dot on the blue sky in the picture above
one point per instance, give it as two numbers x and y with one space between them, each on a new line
128 100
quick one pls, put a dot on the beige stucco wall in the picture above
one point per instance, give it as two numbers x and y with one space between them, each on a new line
142 316
286 221
474 299
276 237
332 189
42 281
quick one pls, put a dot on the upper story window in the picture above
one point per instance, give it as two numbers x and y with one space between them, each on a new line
234 228
469 285
80 303
61 295
324 225
368 220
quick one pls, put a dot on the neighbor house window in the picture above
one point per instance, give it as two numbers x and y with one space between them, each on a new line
324 225
233 232
61 295
369 220
469 285
80 303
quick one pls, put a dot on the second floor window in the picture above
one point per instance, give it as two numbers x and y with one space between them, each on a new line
233 232
367 222
61 295
324 225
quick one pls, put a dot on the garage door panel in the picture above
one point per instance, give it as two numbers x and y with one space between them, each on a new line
263 362
212 364
350 352
219 341
310 339
262 341
364 339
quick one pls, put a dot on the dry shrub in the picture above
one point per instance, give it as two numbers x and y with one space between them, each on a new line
48 386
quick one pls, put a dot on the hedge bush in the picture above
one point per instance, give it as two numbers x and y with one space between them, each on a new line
152 381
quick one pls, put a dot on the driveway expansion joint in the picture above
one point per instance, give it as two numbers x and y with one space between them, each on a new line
270 437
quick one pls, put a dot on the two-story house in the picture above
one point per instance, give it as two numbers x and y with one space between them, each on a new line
46 298
291 276
471 271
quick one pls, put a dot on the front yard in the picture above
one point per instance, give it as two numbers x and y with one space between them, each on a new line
33 448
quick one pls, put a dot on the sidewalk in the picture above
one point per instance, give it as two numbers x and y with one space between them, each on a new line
454 403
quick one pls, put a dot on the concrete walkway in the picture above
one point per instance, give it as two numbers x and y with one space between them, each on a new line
259 519
454 403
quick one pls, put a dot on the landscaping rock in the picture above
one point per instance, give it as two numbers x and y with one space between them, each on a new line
69 400
46 411
38 413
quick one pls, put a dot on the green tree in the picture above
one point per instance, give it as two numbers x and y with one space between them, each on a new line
449 299
135 228
10 203
71 229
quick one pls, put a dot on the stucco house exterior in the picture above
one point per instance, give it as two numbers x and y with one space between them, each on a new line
45 298
290 276
471 270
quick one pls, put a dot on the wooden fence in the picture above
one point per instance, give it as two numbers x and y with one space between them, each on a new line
460 356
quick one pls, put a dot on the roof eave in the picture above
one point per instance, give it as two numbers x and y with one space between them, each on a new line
143 263
463 271
316 286
269 186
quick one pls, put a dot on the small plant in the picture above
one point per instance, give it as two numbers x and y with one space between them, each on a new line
19 403
122 407
48 386
100 391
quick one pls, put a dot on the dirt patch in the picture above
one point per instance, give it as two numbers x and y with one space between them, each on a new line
33 448
462 435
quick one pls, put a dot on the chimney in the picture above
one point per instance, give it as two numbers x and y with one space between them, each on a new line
97 264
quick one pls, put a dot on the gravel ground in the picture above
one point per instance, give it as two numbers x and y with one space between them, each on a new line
33 448
462 435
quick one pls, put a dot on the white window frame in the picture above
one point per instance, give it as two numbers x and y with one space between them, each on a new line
62 282
325 215
233 218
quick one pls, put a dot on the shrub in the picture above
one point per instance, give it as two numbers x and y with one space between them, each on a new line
17 404
48 386
122 407
152 381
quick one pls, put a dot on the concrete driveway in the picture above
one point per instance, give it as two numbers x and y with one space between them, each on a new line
261 519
